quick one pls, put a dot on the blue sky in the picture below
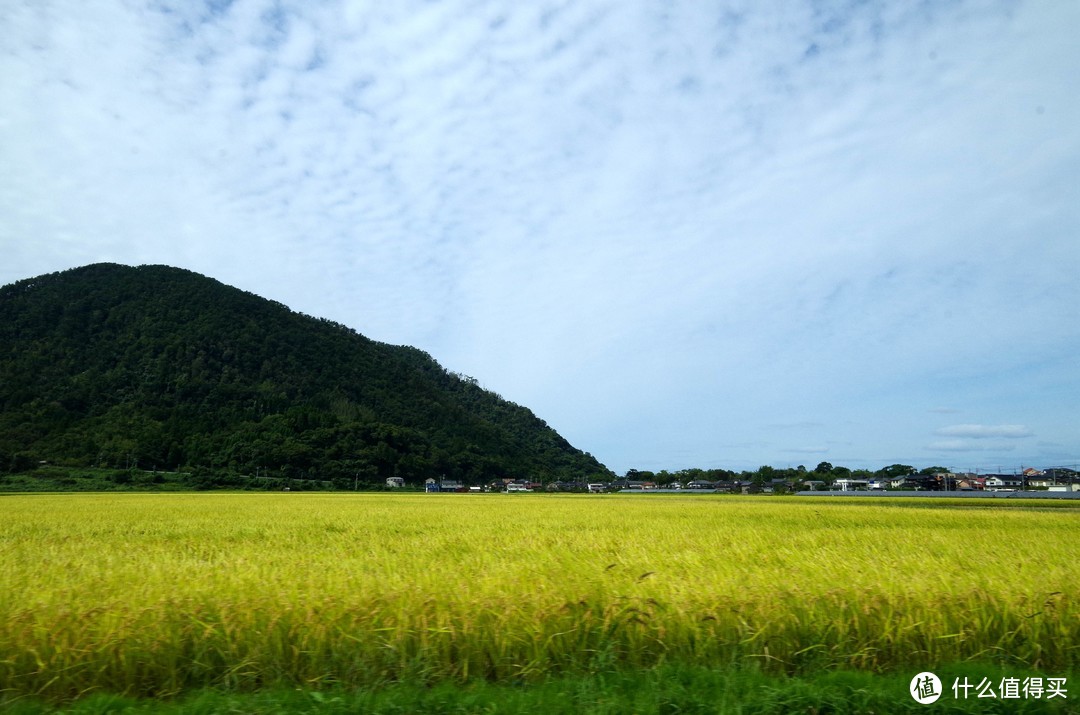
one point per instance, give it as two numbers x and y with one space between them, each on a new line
712 234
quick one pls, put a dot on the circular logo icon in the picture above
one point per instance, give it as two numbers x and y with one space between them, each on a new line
925 688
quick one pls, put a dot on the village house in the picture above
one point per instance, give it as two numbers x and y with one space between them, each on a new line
970 482
1003 482
445 485
1036 479
920 483
846 484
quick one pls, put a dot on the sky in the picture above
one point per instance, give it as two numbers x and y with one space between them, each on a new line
704 234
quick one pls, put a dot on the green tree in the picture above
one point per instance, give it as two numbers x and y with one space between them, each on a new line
895 470
764 474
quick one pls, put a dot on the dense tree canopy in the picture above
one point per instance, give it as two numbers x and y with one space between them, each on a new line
157 367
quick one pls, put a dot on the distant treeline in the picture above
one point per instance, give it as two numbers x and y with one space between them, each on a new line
824 472
88 479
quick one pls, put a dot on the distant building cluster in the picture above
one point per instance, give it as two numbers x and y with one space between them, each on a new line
1057 479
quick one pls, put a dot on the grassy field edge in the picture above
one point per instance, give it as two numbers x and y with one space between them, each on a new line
666 689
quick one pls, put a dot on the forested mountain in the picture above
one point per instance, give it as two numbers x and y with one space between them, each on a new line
162 368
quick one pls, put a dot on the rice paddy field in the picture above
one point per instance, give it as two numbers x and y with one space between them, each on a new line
157 595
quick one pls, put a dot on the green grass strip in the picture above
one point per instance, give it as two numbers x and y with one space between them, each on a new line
667 689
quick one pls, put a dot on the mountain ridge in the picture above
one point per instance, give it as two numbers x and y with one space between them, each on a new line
109 365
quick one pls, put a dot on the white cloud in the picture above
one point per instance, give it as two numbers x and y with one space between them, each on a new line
969 445
986 431
806 450
665 230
